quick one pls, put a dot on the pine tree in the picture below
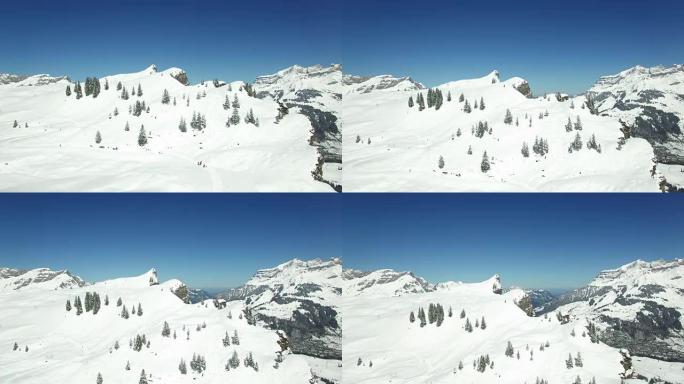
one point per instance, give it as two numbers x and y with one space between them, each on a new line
466 107
78 90
410 100
226 103
68 90
509 349
461 98
140 93
568 126
140 312
99 378
508 119
568 362
440 163
448 96
468 327
142 137
236 102
470 150
124 312
226 340
128 365
166 331
118 86
483 324
119 302
181 125
450 313
166 98
482 104
525 150
421 317
106 85
116 344
182 367
68 305
235 117
143 378
412 317
578 360
578 124
98 138
484 166
463 314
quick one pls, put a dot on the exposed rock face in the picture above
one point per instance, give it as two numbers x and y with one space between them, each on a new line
540 299
316 93
651 102
633 308
301 299
363 84
30 81
525 303
384 281
182 77
524 88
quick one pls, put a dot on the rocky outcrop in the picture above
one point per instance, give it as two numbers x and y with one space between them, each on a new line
524 88
182 77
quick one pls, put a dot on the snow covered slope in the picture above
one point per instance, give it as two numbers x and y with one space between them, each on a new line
54 148
41 278
383 345
638 306
56 345
384 282
650 101
301 298
315 92
389 146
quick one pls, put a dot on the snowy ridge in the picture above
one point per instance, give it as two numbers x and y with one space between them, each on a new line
53 145
57 343
383 282
650 102
638 307
390 146
360 84
41 278
300 298
383 345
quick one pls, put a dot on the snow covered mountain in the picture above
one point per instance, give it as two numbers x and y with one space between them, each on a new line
150 131
650 101
301 298
120 327
386 282
488 134
638 307
316 93
367 84
475 333
41 278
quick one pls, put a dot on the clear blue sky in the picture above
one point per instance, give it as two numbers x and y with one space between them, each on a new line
556 45
206 240
532 240
220 240
231 40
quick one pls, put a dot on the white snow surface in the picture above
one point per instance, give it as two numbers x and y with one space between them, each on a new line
377 330
57 151
64 347
37 279
399 147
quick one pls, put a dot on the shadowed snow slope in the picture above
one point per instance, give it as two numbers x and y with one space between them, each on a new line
382 345
389 146
53 148
66 347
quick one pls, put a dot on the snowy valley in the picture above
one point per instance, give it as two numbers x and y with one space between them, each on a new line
59 330
401 329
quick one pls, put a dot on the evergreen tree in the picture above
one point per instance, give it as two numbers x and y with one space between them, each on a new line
78 90
99 378
482 104
166 331
68 305
466 107
143 378
410 100
181 125
236 102
450 313
448 96
78 305
235 339
568 362
166 98
98 138
140 312
226 340
226 103
128 365
470 150
578 360
568 126
118 86
525 150
412 317
142 137
182 367
483 324
68 90
461 98
578 124
440 163
235 117
116 344
508 119
576 144
106 85
468 327
124 312
509 349
234 361
140 93
484 166
421 317
16 124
